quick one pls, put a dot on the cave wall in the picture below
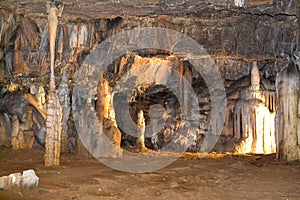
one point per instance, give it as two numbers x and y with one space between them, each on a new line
234 35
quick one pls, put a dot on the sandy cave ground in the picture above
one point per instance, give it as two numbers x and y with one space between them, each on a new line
218 176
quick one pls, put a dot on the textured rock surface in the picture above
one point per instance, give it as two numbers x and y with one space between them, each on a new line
5 130
234 33
4 182
251 120
30 180
289 118
54 110
16 179
27 180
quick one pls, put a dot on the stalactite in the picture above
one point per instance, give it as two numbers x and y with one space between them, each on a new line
9 61
253 118
44 41
43 48
18 67
7 28
92 36
288 83
239 3
54 113
271 100
230 118
82 36
73 41
60 43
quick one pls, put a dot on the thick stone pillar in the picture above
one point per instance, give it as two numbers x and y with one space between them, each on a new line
289 120
54 112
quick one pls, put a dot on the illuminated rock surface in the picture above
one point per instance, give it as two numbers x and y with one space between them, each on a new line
235 34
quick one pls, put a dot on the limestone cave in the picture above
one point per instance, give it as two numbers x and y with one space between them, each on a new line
158 99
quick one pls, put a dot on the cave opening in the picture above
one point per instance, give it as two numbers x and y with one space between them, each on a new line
161 111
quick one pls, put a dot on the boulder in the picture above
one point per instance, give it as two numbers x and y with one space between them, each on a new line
16 179
5 182
30 179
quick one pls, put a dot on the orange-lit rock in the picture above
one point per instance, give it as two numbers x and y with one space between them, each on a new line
251 121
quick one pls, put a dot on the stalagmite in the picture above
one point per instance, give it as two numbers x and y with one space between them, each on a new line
54 113
253 118
103 101
105 110
64 97
5 129
141 130
255 77
15 132
288 82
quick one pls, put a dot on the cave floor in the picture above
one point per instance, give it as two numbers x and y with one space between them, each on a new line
218 176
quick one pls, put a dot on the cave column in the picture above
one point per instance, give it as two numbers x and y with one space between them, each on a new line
289 83
54 112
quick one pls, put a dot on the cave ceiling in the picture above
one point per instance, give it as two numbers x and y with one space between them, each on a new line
91 9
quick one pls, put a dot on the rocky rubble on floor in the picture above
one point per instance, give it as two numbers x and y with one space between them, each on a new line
28 180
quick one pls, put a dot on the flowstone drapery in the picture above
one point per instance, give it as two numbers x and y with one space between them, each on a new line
251 121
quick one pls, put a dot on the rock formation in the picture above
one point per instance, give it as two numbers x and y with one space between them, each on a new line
5 129
54 112
141 130
26 125
250 120
64 98
236 34
289 112
27 180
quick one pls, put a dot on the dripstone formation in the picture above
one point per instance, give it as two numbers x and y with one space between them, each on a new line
253 44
